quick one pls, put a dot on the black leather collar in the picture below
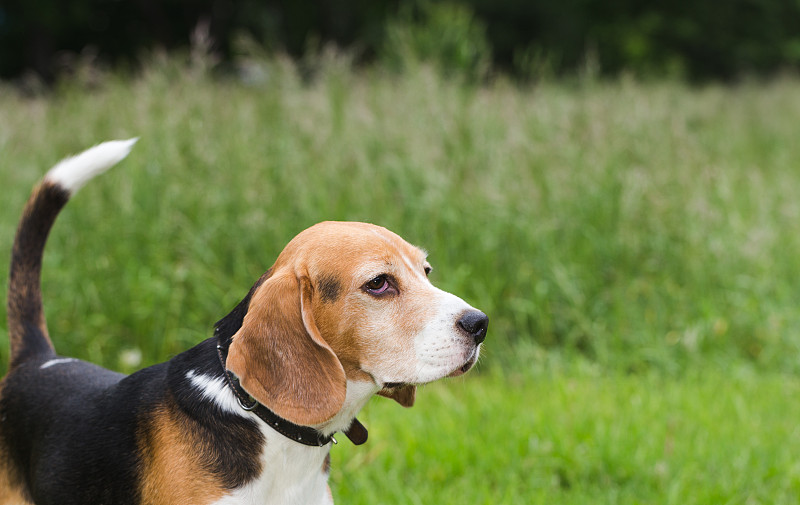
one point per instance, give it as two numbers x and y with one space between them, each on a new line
305 435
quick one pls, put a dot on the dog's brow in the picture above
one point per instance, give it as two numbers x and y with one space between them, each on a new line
410 264
398 250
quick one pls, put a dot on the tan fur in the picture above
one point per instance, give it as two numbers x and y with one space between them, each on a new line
404 395
10 491
361 339
172 470
279 334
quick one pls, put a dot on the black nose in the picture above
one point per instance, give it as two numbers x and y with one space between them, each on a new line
474 323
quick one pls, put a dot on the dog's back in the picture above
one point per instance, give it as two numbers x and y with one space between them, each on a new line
41 443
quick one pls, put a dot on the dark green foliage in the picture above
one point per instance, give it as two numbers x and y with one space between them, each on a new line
683 38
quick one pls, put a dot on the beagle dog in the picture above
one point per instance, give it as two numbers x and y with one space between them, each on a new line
247 416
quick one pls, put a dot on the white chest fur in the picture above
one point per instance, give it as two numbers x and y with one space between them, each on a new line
292 473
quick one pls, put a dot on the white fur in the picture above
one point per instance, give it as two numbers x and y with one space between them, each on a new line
437 350
292 473
72 173
358 394
440 348
217 391
56 361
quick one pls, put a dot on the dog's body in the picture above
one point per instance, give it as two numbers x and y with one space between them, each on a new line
246 416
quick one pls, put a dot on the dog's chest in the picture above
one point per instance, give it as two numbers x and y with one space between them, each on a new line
291 474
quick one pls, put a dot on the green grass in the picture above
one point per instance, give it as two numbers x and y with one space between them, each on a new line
635 245
577 435
647 226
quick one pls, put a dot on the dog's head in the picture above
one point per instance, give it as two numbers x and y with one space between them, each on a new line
349 302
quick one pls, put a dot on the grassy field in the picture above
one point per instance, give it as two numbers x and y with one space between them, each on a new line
549 435
635 245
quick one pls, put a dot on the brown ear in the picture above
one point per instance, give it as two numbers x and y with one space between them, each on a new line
404 395
280 357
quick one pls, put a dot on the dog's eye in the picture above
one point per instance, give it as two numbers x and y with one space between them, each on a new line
378 286
428 269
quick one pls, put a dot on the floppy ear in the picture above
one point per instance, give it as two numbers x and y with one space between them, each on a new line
404 395
281 359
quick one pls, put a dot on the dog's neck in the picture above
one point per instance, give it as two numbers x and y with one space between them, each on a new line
198 383
302 475
358 394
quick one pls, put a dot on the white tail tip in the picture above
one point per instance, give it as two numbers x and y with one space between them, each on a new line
72 173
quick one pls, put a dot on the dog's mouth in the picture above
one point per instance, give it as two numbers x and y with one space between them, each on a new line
473 358
466 367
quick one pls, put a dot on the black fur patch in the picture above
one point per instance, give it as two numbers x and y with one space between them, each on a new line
329 288
229 445
78 433
26 326
50 418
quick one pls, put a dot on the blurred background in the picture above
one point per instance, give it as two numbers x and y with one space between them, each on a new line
697 40
614 183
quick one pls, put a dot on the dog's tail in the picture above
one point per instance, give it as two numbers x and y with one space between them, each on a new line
27 329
